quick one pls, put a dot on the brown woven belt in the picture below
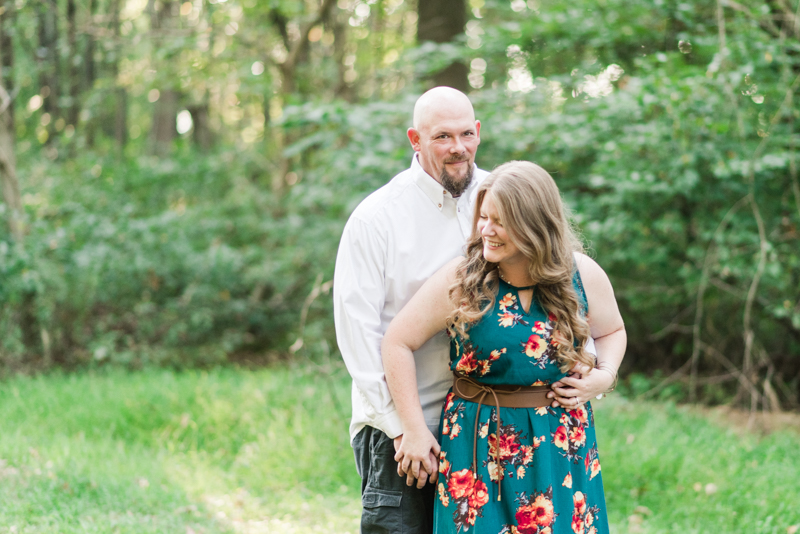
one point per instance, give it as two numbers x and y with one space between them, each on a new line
504 397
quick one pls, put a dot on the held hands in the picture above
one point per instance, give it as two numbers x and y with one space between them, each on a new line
580 386
417 457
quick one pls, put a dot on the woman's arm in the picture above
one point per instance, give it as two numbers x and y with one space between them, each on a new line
424 316
608 331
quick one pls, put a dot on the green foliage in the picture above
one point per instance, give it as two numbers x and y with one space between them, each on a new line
172 263
670 157
186 261
669 126
669 161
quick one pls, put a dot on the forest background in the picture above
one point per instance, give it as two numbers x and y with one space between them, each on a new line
176 176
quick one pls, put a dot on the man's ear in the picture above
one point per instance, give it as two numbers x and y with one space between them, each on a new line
478 131
413 138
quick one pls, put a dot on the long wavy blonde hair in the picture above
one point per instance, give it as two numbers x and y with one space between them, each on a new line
533 214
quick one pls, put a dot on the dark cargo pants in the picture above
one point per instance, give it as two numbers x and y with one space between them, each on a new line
389 506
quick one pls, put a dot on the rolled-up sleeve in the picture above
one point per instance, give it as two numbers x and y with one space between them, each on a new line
358 300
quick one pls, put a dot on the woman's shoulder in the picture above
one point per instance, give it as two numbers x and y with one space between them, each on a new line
594 278
453 265
587 267
451 268
446 275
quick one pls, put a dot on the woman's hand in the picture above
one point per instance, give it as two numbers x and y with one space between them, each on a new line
607 331
580 386
417 456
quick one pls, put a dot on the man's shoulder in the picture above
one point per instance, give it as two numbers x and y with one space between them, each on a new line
380 202
480 175
477 179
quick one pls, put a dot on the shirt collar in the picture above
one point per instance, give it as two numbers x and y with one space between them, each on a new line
432 188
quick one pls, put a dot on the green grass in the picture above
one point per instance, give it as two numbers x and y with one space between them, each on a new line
267 451
159 451
674 469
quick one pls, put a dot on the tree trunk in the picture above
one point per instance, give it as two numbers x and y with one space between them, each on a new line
165 109
47 58
120 94
90 48
121 117
7 19
164 131
339 28
201 131
28 322
73 77
8 162
441 21
298 53
90 74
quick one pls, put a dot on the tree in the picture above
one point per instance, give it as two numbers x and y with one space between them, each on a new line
120 93
47 60
29 324
296 53
441 21
73 62
163 20
8 163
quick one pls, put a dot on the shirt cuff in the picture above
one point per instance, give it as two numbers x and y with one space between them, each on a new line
390 424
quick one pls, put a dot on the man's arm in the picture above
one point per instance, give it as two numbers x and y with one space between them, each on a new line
358 299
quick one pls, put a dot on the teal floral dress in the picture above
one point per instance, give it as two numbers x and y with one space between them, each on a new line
551 482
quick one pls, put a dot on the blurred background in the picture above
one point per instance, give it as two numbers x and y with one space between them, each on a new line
176 177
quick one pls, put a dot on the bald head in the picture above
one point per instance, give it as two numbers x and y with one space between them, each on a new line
445 137
441 101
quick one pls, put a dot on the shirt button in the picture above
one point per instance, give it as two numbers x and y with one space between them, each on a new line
440 205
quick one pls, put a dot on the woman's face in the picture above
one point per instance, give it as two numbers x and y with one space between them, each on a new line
497 244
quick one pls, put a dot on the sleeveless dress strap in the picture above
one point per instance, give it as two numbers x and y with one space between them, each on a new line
577 282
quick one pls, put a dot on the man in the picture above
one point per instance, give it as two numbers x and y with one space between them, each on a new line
394 240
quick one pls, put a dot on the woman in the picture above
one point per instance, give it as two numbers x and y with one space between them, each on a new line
511 459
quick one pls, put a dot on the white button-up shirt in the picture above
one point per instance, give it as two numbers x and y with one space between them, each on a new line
393 242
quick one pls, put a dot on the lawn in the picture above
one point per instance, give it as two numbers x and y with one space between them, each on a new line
267 451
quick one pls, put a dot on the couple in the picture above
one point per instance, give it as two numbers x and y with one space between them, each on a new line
519 310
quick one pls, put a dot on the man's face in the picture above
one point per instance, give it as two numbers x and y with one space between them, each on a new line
446 143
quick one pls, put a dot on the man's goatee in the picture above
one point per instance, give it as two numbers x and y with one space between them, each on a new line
454 185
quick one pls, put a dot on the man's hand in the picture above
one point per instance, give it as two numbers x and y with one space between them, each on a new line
397 442
579 387
417 457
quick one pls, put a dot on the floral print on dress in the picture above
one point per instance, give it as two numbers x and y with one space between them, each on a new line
592 463
466 491
582 515
452 411
484 430
535 514
546 455
570 436
510 308
513 457
542 344
444 470
469 364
